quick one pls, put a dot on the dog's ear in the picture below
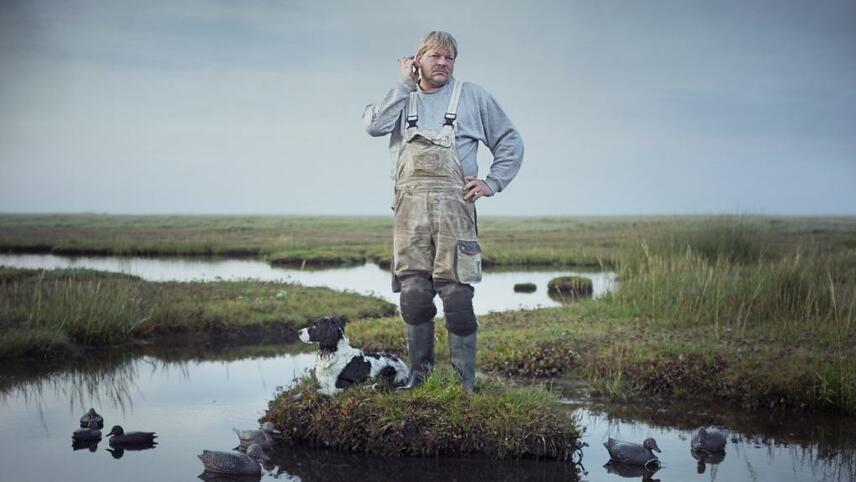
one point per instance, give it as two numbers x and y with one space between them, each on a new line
336 321
329 333
339 322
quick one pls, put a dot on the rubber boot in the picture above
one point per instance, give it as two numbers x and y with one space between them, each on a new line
420 347
462 351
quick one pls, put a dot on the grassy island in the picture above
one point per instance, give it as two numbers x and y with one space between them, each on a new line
438 418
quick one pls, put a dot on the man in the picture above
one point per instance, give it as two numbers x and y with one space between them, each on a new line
435 123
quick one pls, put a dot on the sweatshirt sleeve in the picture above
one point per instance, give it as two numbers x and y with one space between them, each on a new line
380 119
504 142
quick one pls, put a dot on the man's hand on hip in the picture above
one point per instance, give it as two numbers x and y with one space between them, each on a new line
475 189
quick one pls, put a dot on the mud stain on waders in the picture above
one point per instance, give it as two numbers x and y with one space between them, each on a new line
434 228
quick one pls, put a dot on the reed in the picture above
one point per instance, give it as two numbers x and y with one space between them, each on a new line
86 310
785 296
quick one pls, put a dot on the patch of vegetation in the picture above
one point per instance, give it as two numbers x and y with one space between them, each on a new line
47 311
437 418
548 358
319 257
570 287
525 288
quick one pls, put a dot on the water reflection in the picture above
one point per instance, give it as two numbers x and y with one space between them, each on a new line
630 471
109 377
704 459
91 445
215 477
320 465
119 452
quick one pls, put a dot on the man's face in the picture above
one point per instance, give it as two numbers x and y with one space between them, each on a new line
437 66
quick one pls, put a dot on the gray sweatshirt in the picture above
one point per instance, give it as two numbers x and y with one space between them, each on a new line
480 118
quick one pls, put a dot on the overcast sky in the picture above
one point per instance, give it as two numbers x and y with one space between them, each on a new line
625 107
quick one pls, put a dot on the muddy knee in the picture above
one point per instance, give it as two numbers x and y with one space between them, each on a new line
458 307
417 298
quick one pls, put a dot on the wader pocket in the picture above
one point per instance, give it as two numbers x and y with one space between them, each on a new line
468 262
428 164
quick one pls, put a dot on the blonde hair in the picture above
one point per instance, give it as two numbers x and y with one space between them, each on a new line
438 40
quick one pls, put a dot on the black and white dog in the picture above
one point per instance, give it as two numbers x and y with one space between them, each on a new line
339 365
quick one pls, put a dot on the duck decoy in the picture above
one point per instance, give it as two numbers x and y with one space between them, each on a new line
633 454
89 416
234 463
710 440
92 432
262 436
118 437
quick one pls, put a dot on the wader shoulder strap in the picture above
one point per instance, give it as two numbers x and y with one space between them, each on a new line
452 111
412 116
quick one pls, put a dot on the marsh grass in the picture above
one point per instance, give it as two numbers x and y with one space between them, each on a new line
437 418
55 310
64 310
785 293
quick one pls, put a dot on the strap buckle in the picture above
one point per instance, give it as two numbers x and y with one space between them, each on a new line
411 121
450 119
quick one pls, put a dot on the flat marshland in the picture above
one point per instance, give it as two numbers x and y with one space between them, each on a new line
755 310
584 241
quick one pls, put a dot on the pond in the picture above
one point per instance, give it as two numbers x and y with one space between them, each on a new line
494 293
194 400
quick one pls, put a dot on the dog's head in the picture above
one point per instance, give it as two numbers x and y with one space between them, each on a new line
326 331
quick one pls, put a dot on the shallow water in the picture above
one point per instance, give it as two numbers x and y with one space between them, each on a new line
494 293
193 401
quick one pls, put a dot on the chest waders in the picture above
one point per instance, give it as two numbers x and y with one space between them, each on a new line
435 244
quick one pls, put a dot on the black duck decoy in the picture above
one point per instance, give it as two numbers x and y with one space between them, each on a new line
91 415
119 438
710 440
633 454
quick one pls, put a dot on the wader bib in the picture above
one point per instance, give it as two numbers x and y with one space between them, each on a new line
435 228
